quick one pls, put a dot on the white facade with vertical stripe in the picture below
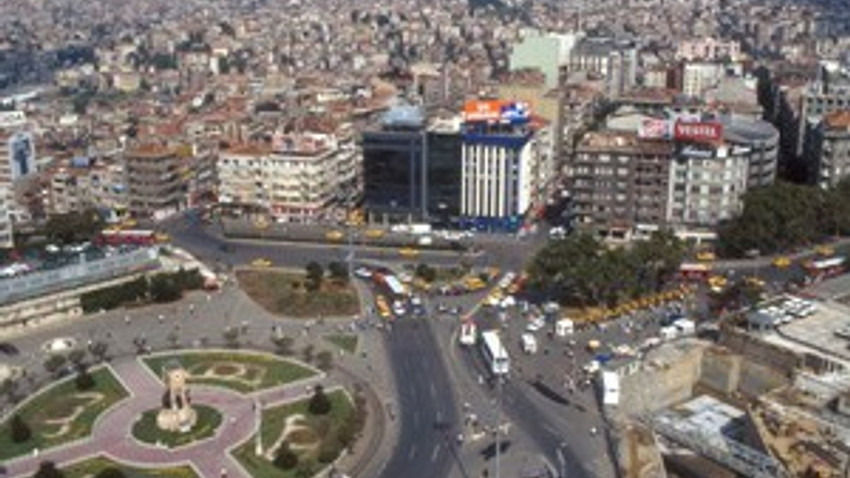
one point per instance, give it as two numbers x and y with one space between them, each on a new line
498 181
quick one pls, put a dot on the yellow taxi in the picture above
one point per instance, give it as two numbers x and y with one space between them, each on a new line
162 238
375 233
261 262
333 235
408 252
781 262
824 251
717 283
474 283
706 256
754 281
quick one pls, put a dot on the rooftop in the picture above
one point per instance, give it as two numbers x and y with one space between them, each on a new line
838 120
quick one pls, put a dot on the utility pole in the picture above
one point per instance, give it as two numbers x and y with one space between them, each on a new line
498 422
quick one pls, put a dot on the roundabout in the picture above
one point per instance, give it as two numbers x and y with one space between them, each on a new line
217 413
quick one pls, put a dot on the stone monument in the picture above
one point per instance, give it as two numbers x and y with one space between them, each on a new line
178 416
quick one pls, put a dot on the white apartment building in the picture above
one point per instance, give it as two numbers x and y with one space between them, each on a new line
500 179
698 77
298 178
709 49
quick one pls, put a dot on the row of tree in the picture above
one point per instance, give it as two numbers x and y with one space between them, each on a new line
163 287
315 274
784 216
48 469
580 270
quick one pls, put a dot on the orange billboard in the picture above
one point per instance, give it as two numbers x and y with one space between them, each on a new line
482 110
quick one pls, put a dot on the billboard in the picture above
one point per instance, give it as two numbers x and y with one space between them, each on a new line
693 151
21 155
493 111
703 131
654 128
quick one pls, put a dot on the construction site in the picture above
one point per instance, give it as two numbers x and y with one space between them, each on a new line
770 403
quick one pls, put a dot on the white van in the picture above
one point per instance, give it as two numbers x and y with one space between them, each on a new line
468 333
529 344
564 327
685 326
668 333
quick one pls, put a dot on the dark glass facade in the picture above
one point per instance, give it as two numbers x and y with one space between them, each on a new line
411 175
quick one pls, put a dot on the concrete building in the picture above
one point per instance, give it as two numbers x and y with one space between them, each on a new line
708 49
299 177
614 61
831 149
500 161
829 94
697 77
544 52
673 171
412 168
6 232
155 181
86 183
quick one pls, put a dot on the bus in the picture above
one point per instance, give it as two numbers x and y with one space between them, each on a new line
494 352
826 267
695 271
140 237
392 283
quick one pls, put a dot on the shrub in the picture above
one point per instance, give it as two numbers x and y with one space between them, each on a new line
20 430
319 404
286 459
47 469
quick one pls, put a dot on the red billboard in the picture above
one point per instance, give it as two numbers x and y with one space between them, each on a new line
492 111
701 131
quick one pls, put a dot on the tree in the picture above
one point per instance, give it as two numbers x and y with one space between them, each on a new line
47 469
164 288
54 363
426 272
111 472
319 404
286 459
307 353
99 349
325 360
338 271
283 344
73 227
21 431
314 273
84 380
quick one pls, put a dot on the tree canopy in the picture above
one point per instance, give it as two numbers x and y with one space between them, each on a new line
580 270
784 216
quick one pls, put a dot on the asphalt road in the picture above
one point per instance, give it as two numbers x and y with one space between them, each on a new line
426 447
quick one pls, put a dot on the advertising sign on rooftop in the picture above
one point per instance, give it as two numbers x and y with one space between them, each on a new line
654 128
493 111
703 131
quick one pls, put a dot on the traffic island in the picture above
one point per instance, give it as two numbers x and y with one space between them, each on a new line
346 342
62 413
295 295
301 438
146 430
244 372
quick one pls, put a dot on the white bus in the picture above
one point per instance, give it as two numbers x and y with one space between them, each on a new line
495 352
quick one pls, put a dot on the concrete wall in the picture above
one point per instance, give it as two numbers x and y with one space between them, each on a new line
720 370
672 381
760 352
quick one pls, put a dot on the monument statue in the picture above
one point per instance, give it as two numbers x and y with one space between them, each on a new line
177 414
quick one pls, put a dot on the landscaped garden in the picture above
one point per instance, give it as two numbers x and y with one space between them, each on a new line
60 414
297 295
93 467
346 342
147 431
300 438
240 371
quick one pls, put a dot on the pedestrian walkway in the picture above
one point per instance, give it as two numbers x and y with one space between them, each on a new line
111 434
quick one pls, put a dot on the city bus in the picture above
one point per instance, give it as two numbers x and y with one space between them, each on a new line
695 271
140 237
826 267
494 352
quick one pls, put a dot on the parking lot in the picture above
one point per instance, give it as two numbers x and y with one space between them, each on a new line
819 329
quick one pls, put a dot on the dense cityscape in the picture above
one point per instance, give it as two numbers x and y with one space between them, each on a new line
447 239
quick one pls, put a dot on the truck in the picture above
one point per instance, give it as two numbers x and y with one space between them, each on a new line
419 229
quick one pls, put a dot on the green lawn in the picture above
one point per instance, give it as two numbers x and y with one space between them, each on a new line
59 401
284 294
145 429
91 467
273 421
346 342
261 371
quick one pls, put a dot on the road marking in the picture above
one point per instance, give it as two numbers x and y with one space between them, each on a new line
435 453
412 453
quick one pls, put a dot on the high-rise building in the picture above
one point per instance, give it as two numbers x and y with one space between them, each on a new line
6 236
500 177
615 61
709 49
700 76
829 94
544 52
680 171
299 177
411 169
831 149
155 181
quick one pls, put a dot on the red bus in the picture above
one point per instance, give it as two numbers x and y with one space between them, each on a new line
694 271
137 237
832 266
